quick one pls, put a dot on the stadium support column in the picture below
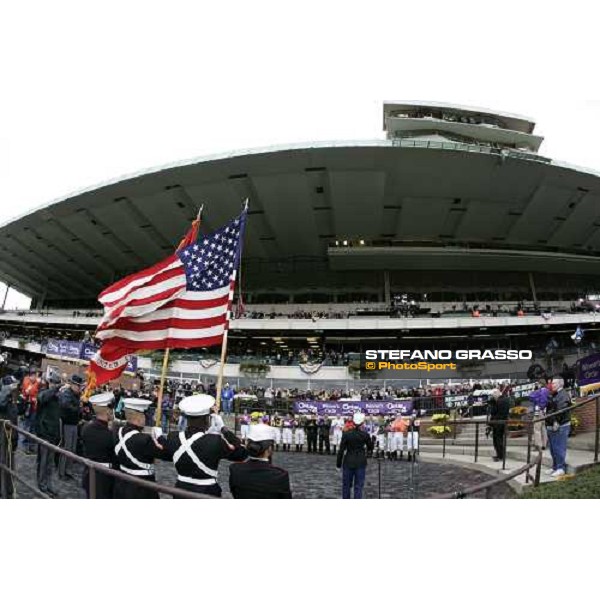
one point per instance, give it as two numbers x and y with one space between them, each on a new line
532 285
387 297
5 296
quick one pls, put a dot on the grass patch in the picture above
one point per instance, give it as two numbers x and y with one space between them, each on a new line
585 484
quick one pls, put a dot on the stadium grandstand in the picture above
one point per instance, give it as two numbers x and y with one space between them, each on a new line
452 232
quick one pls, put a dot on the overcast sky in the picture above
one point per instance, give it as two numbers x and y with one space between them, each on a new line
95 90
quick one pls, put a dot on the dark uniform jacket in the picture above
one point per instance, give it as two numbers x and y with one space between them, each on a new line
352 452
98 445
209 449
257 479
142 447
47 423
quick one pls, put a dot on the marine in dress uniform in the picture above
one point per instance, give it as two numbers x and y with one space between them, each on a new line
197 451
99 445
257 478
135 451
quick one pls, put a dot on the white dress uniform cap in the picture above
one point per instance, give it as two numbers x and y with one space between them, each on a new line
137 404
358 418
261 432
197 405
104 399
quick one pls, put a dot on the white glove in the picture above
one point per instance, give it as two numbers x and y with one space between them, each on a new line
157 432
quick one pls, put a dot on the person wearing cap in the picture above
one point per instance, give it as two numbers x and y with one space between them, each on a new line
352 456
47 427
98 444
197 451
135 452
257 478
69 399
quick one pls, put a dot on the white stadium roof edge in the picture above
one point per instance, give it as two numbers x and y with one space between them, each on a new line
75 245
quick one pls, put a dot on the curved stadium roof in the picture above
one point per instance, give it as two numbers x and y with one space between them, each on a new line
416 204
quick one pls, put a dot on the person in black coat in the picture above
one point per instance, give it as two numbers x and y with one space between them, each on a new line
324 433
499 406
257 478
312 430
9 411
352 456
197 451
98 444
47 427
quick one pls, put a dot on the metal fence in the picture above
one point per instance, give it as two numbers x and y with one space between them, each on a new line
9 472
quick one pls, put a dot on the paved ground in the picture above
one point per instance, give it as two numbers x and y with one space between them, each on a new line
315 476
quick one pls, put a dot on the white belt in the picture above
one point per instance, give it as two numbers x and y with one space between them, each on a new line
209 481
137 472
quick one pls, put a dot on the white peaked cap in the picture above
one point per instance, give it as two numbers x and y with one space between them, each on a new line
261 432
197 405
137 404
358 418
104 399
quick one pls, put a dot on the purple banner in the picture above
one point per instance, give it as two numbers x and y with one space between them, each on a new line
349 407
81 351
588 370
64 348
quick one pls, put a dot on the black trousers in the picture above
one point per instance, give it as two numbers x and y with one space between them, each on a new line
498 440
324 440
312 443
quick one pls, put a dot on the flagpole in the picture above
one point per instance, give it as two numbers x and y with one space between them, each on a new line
165 365
163 376
224 344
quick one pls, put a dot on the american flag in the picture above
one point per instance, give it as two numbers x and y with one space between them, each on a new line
184 301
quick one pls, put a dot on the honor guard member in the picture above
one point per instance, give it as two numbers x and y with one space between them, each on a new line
324 433
197 451
257 478
286 432
337 425
98 445
312 432
135 451
299 435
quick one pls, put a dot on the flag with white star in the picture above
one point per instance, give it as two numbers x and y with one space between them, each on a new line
183 301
